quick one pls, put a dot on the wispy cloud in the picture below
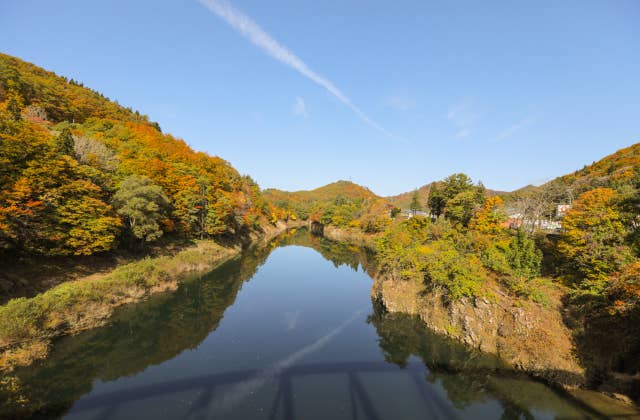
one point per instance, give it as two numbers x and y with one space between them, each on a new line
462 133
513 129
463 116
400 102
254 33
299 108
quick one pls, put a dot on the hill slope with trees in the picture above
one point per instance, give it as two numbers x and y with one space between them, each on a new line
80 174
342 204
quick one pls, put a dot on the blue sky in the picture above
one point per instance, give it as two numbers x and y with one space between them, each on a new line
397 94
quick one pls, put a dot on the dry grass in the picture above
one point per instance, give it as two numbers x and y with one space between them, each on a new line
27 325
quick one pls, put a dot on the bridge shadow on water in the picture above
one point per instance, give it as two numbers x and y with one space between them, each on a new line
217 394
208 387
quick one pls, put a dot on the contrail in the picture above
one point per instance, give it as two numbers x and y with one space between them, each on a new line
254 33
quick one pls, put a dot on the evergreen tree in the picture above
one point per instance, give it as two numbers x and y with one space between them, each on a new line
455 184
460 209
64 143
523 256
415 202
437 201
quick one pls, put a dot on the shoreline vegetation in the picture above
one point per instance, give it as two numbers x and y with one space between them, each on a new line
29 325
82 176
529 336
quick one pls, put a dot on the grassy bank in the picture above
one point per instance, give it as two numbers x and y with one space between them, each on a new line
28 325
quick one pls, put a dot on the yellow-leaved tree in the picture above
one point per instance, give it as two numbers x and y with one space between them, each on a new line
592 243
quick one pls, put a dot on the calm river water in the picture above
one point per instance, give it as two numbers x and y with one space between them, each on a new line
287 331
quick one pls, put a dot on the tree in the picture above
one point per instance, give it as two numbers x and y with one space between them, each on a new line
592 243
523 256
94 153
490 217
415 202
437 200
141 204
624 289
15 105
53 209
630 211
455 184
219 218
64 143
460 209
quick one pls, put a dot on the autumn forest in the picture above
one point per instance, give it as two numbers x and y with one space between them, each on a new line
81 175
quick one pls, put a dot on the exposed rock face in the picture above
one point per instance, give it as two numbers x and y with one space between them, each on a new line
528 336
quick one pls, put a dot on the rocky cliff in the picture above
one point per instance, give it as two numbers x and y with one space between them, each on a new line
528 336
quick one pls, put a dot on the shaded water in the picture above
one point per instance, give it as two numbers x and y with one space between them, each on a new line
286 331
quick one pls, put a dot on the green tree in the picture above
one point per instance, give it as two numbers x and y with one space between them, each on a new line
141 204
415 206
523 256
436 201
460 209
455 184
64 143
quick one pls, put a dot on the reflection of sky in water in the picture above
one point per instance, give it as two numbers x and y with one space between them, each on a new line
300 340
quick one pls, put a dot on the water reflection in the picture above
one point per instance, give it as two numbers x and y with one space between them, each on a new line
293 342
469 377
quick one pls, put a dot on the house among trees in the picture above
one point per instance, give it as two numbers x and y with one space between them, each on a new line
562 209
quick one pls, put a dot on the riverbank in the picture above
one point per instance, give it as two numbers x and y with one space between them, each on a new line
530 336
29 325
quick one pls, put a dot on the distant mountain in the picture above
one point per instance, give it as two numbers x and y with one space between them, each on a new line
329 192
341 203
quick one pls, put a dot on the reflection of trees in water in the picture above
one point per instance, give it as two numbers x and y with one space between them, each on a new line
339 253
151 332
467 376
137 337
607 345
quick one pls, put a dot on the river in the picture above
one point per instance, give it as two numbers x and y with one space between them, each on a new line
286 331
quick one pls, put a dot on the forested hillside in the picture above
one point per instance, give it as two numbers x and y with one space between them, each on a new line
342 203
80 174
